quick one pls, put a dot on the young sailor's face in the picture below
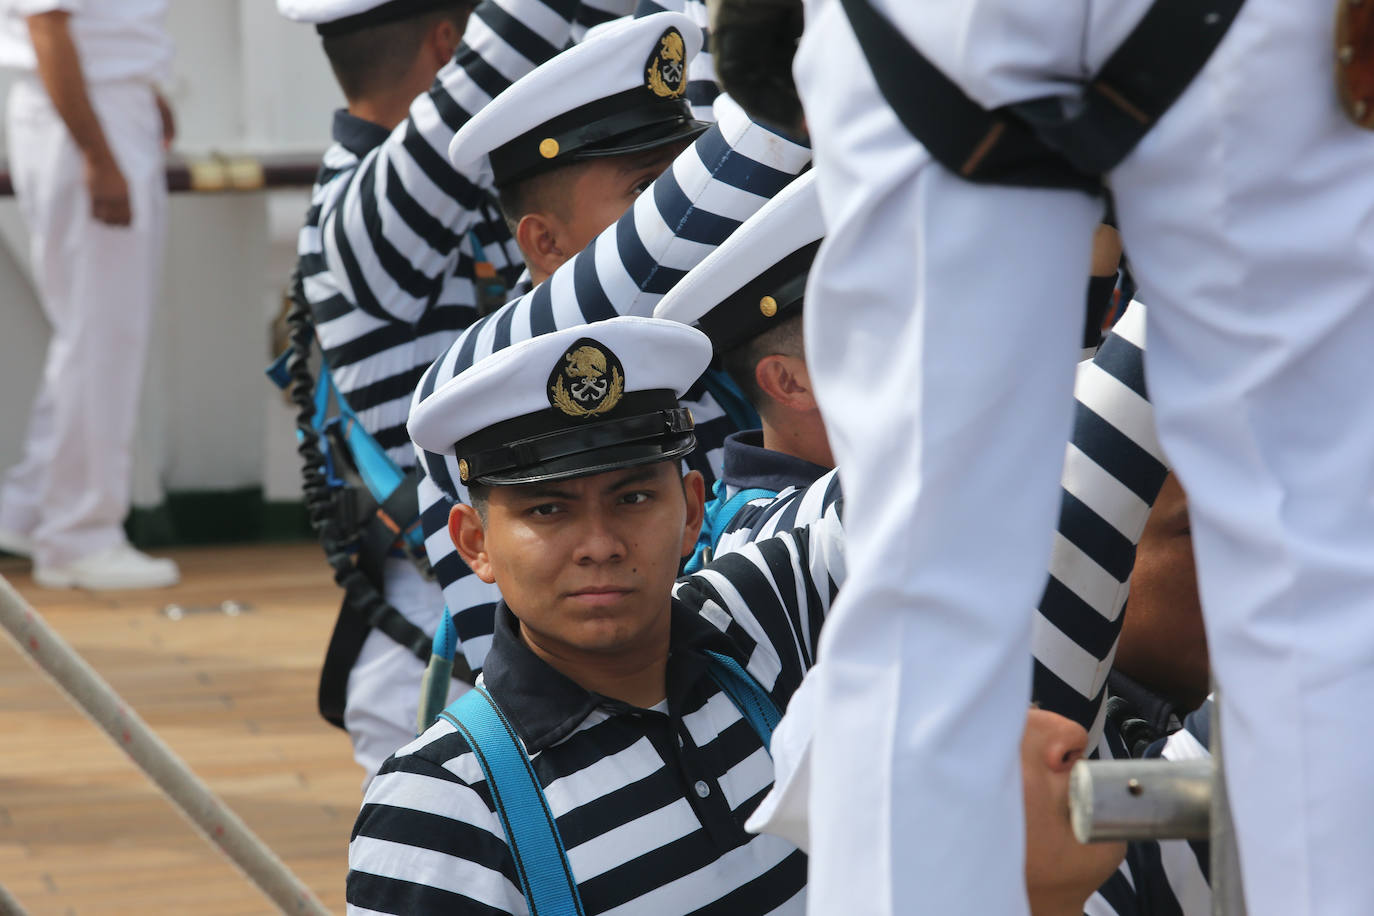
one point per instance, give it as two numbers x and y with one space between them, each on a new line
602 190
587 565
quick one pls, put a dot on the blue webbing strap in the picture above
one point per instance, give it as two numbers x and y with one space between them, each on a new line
531 832
540 861
719 513
379 473
748 695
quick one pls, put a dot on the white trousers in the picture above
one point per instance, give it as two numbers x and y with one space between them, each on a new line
950 308
98 285
383 694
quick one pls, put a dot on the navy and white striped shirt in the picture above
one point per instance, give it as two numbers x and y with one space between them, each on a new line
650 803
386 254
1160 877
725 176
1113 471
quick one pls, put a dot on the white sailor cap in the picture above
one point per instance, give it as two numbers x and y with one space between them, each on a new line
339 17
587 399
757 277
621 91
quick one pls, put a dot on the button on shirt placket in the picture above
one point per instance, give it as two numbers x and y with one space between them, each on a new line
700 780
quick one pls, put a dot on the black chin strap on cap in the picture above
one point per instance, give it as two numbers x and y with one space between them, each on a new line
666 426
650 418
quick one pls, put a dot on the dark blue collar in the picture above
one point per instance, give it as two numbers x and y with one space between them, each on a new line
357 135
749 465
545 706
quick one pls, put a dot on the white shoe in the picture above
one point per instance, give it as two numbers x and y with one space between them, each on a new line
12 542
120 566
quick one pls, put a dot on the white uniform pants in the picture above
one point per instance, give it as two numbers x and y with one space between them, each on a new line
383 694
98 285
1249 216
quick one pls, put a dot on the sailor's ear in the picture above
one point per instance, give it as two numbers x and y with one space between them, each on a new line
541 239
694 489
469 535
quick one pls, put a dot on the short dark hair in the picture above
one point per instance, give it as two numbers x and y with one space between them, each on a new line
376 58
546 191
783 339
479 495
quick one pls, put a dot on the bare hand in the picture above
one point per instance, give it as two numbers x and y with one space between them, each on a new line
169 121
109 193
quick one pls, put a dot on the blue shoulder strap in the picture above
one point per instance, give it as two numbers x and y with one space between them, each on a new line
720 512
379 473
546 879
748 695
531 832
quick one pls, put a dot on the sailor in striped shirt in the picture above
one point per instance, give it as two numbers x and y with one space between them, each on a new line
727 174
747 297
393 249
580 513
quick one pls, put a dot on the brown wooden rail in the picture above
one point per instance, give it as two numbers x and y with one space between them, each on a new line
215 174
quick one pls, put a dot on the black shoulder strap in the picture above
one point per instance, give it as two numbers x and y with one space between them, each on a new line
1039 143
990 147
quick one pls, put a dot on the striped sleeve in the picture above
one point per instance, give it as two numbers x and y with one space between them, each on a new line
593 13
1160 877
771 598
392 235
795 507
428 840
1113 470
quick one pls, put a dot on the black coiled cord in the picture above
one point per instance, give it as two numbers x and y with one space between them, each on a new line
322 503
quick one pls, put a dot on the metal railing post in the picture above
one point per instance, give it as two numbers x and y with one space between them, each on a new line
1228 896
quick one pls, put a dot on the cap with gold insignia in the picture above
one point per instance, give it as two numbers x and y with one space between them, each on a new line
623 90
757 277
581 401
339 17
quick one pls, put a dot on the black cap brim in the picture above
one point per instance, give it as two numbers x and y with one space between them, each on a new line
642 141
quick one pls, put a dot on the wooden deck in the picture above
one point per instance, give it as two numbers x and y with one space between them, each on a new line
82 831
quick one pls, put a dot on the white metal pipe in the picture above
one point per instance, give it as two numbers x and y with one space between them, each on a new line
1140 800
163 767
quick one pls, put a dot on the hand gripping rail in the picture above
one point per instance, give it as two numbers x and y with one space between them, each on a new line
168 772
1163 800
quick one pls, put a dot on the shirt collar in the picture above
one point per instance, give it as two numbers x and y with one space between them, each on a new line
749 465
544 705
357 135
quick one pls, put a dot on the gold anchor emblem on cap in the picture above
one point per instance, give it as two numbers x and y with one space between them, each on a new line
463 470
768 306
548 147
665 73
588 380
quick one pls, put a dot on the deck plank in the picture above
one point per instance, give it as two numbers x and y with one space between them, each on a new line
84 833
